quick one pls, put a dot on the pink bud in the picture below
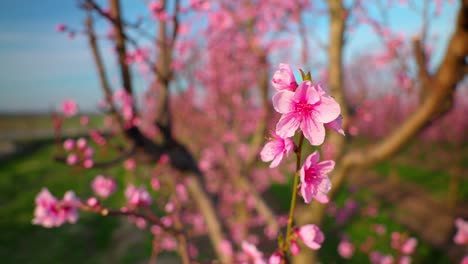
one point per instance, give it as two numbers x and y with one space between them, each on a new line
60 28
130 164
88 152
164 159
155 184
294 247
276 258
88 163
69 144
72 159
181 192
92 202
81 143
169 207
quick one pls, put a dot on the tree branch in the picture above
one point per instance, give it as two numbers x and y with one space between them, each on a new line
421 62
120 45
101 69
211 219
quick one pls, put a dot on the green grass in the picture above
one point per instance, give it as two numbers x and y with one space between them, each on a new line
435 182
25 122
87 241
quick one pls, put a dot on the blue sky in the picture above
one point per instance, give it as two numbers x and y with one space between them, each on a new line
39 67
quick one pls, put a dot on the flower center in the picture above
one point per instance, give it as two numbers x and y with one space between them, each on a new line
310 176
303 108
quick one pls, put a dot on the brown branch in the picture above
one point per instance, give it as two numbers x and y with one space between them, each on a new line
338 19
206 208
120 46
105 86
164 68
421 62
149 218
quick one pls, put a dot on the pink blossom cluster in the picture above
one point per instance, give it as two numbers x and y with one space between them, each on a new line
96 137
308 108
50 212
103 186
137 196
157 11
80 152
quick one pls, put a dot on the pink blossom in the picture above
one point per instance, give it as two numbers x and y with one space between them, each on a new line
380 229
276 258
169 207
52 213
377 258
283 79
275 149
130 164
252 252
404 260
464 260
69 207
409 246
88 163
311 235
81 143
60 28
181 192
69 108
461 237
226 247
72 159
103 186
69 144
314 179
164 159
308 108
155 184
47 213
92 202
88 153
201 5
168 243
345 249
137 196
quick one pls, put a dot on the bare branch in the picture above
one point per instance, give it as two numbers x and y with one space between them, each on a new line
120 45
101 69
421 61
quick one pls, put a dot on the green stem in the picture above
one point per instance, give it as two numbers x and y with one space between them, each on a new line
294 194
